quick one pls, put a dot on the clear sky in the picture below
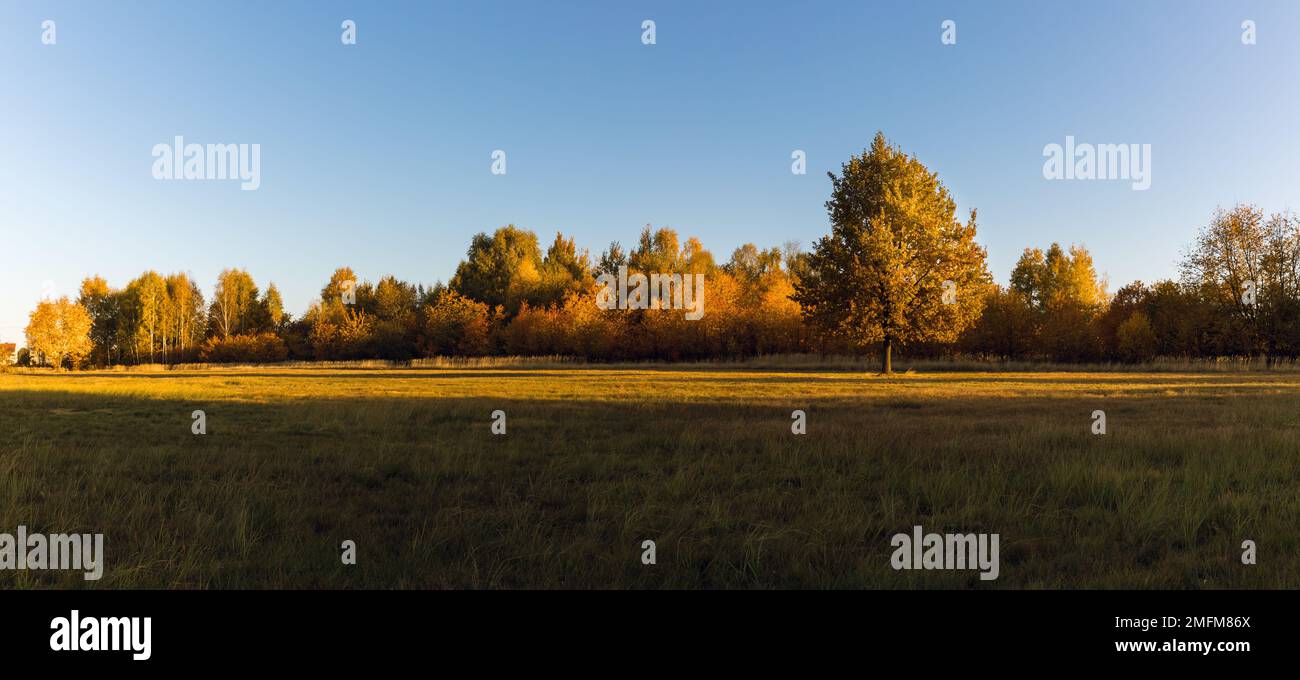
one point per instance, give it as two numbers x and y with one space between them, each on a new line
377 156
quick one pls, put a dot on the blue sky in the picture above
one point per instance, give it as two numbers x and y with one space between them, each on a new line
377 156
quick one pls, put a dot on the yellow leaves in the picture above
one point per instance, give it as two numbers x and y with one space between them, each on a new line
59 329
1057 278
456 325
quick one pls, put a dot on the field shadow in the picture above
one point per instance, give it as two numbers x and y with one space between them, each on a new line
566 496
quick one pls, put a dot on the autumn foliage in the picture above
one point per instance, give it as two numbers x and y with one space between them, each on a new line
898 271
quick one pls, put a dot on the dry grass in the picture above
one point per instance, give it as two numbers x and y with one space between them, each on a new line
699 458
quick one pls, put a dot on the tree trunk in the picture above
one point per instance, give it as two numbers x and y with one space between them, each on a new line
885 367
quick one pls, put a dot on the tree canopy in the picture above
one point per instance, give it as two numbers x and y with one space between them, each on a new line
894 249
59 330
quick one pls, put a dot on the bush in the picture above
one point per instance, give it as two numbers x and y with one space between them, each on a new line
260 348
1136 339
456 326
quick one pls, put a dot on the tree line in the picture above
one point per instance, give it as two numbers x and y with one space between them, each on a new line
898 271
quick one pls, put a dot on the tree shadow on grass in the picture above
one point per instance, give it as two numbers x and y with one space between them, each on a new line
567 496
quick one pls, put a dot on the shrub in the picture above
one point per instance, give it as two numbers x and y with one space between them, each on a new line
1136 339
260 348
455 325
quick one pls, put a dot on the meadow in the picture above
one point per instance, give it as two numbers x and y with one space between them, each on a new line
699 458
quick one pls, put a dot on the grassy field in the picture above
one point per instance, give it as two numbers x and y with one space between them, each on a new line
701 460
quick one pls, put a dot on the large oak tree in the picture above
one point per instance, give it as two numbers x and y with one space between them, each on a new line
881 274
